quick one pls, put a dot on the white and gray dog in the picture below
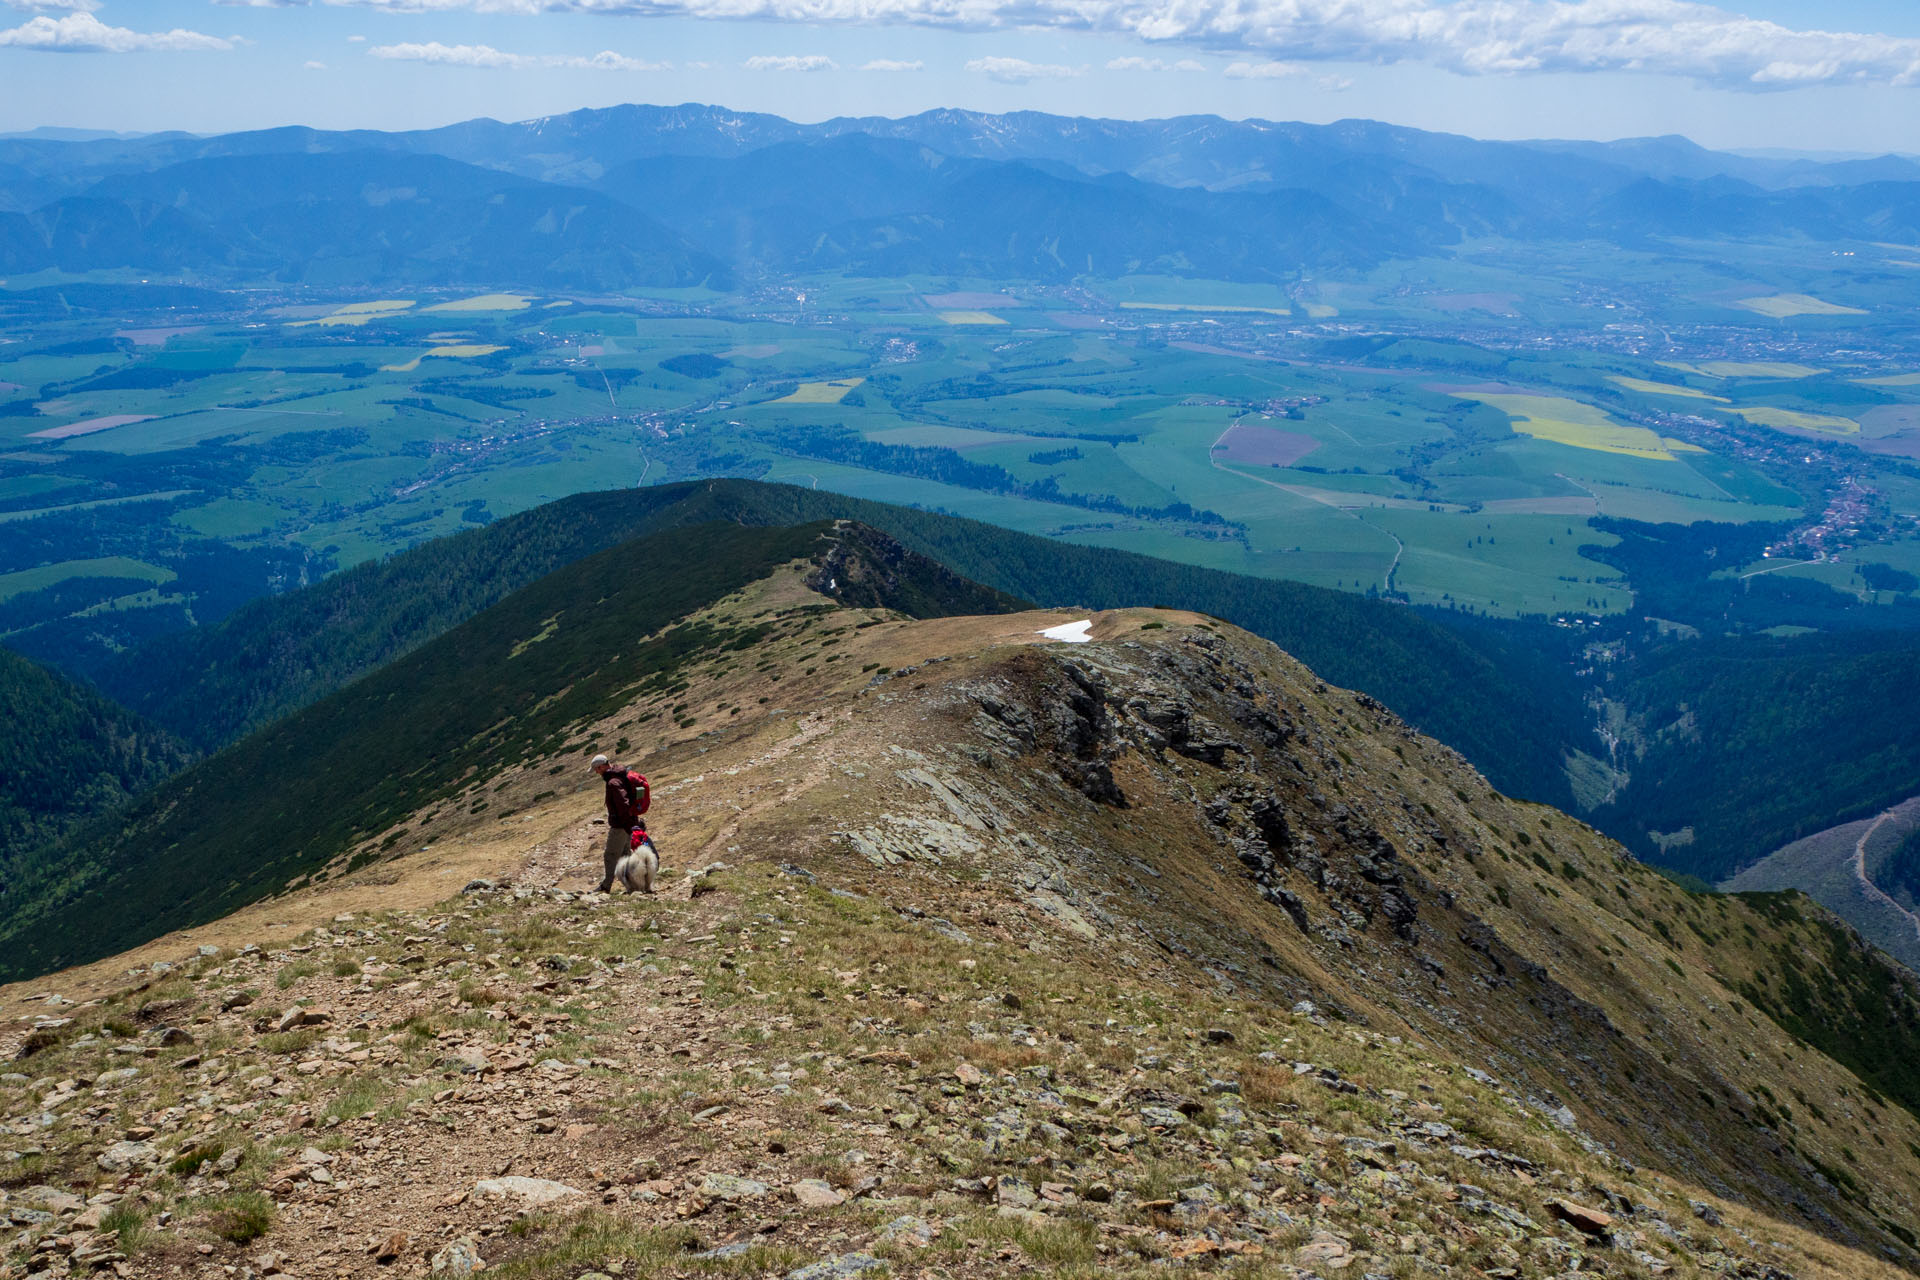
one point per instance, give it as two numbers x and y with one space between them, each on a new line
640 868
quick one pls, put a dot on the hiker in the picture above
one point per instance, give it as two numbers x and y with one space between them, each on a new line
627 801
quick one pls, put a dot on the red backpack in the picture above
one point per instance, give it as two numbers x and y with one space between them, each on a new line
634 787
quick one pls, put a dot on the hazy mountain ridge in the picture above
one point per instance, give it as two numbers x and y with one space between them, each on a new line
1248 200
348 217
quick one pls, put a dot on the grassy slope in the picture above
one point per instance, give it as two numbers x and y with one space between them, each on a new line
493 690
1540 955
507 686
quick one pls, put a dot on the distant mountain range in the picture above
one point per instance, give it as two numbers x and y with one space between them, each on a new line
641 195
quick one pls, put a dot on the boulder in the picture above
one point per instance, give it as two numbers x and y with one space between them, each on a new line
813 1193
122 1156
1592 1221
842 1267
725 1186
459 1258
531 1190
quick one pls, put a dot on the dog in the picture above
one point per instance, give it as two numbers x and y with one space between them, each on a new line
640 868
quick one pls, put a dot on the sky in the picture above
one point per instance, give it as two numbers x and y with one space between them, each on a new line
1835 76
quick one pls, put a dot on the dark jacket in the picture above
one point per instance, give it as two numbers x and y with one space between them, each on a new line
622 800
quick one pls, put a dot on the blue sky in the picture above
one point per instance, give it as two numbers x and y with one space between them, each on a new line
1842 75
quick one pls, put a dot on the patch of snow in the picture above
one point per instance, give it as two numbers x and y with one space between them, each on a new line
1070 632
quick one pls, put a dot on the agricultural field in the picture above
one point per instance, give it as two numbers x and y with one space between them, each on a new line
156 466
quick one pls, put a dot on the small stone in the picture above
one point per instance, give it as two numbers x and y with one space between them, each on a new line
171 1036
969 1075
1706 1213
390 1249
1219 1035
813 1193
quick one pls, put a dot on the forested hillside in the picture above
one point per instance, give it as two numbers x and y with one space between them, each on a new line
491 691
67 754
212 684
1753 742
1500 703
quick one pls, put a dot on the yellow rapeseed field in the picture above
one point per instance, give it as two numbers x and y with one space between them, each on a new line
821 392
1569 422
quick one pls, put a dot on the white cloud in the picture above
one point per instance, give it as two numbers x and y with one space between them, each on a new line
1264 70
890 64
453 55
1702 42
790 62
485 55
264 4
311 65
356 39
1019 70
1154 64
58 6
84 33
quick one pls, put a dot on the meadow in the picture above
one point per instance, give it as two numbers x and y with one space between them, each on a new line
1175 417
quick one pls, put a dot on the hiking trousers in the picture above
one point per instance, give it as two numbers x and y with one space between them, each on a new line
619 840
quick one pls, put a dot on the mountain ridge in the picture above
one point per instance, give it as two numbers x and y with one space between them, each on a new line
1123 861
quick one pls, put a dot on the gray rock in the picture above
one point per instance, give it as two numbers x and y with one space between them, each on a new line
122 1156
459 1258
813 1193
725 1186
908 1230
470 1059
838 1268
51 1199
1162 1117
531 1190
719 1253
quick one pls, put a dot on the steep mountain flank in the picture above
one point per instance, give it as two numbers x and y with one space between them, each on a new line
1858 870
1501 705
505 686
66 754
982 954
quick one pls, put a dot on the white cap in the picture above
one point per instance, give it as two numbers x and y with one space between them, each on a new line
600 760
